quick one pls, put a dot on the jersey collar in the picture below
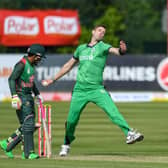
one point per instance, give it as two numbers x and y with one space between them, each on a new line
93 45
26 57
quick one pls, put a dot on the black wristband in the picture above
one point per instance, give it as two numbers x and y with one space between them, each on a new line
121 52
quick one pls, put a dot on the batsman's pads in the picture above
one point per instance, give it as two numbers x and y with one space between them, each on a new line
28 143
16 102
29 123
28 129
15 139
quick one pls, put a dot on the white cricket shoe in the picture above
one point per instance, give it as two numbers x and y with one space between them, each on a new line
64 150
133 137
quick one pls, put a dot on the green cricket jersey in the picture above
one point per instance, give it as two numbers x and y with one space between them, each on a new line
92 60
21 80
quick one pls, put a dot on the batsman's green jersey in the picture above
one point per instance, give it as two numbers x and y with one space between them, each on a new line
89 88
21 80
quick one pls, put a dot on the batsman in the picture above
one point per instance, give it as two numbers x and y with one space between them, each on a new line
22 85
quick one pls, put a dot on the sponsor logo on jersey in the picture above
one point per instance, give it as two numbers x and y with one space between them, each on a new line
82 58
27 103
28 70
102 91
162 74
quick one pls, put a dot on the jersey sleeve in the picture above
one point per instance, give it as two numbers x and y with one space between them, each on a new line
76 53
17 71
107 47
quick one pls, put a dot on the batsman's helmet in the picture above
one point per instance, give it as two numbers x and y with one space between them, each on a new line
37 49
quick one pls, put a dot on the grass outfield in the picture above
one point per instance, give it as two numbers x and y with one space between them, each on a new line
99 143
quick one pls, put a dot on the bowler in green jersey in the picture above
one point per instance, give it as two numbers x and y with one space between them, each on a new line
89 86
22 85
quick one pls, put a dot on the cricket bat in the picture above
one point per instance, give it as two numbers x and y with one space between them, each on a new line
45 130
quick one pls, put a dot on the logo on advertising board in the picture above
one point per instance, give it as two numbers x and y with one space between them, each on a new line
21 25
5 71
46 27
162 74
60 25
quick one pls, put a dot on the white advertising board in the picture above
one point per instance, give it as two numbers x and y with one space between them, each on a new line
7 62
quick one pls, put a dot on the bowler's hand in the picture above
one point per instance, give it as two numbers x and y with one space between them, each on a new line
47 82
123 47
16 102
39 98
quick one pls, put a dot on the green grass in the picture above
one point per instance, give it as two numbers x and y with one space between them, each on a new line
99 143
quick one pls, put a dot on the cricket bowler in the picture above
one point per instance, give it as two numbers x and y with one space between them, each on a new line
89 86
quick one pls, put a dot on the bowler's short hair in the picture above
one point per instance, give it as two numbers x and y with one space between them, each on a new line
101 25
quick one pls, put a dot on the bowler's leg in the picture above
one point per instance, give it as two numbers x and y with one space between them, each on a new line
104 101
78 102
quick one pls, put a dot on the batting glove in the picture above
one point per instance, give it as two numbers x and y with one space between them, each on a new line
16 102
38 98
